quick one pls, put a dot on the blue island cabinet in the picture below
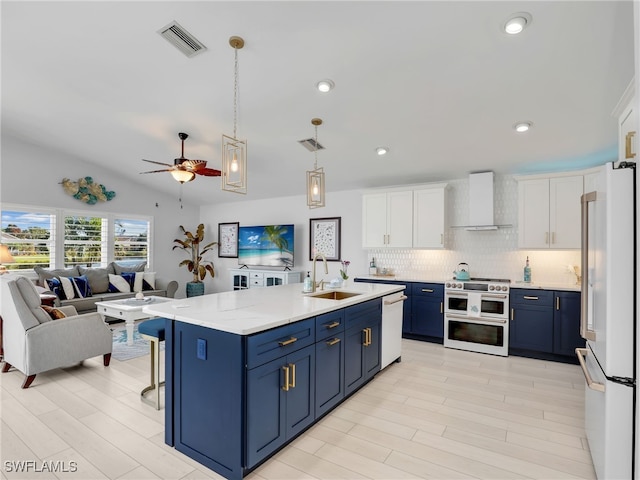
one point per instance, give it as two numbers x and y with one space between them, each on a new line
232 400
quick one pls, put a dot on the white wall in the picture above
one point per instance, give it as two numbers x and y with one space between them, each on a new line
30 175
489 254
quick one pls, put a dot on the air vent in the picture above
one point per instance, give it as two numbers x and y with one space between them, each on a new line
177 36
310 144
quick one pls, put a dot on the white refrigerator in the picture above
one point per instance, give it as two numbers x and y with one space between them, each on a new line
608 320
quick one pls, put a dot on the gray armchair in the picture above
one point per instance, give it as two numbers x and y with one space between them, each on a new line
34 343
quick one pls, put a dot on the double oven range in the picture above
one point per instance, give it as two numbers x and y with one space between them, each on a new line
476 315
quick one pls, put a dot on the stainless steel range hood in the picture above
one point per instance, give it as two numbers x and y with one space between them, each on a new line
481 203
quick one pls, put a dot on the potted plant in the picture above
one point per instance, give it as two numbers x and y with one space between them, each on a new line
192 244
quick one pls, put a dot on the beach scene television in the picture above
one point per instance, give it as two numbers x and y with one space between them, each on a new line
266 246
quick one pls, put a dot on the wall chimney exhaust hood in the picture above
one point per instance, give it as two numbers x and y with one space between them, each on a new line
481 203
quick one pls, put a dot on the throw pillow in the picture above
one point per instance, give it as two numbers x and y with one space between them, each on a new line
128 268
144 281
82 287
53 312
118 284
56 287
67 286
44 273
98 278
130 277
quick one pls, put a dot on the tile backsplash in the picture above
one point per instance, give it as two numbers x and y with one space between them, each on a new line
493 253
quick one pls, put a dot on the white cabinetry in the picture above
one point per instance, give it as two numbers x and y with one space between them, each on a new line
429 221
387 219
242 278
549 212
627 117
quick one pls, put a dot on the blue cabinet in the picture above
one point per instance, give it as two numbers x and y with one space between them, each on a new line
427 310
566 323
531 320
329 346
362 343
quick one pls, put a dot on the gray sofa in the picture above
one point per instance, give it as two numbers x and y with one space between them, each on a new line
100 287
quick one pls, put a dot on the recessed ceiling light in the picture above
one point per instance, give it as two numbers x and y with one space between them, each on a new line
522 127
517 22
382 150
325 85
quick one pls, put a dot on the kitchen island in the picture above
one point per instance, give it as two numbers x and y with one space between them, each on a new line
248 371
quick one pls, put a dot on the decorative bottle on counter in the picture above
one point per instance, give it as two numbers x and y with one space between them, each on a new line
527 271
308 284
372 267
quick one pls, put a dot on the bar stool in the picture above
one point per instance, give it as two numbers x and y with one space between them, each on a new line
153 330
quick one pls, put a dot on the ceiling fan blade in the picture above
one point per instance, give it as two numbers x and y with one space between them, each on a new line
208 172
156 171
157 163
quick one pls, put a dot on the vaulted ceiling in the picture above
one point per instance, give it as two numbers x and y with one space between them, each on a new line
439 83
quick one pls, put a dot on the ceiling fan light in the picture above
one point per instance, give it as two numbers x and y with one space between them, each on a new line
182 176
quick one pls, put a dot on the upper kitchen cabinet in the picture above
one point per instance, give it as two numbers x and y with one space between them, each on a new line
627 126
429 221
549 212
387 219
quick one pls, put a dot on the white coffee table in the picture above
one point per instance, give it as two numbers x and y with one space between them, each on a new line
128 310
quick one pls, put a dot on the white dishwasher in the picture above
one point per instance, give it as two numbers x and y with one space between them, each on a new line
391 335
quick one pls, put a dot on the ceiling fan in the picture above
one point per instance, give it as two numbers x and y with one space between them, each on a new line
183 169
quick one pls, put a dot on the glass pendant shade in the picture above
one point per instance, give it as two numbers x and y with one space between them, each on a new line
315 188
234 165
182 176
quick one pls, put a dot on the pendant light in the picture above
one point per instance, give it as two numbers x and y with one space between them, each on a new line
315 177
234 151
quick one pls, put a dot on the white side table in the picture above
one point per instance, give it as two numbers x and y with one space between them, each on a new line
129 310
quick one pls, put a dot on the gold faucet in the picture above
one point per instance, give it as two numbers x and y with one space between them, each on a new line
326 270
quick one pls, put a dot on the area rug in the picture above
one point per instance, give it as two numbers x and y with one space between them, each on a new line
121 351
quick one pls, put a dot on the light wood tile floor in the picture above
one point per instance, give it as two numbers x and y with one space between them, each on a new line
440 413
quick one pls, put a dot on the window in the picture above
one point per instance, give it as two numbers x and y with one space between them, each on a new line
29 235
88 240
131 241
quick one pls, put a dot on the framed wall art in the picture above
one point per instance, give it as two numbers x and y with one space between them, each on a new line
325 237
228 240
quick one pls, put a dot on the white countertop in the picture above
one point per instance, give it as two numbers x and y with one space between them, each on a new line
516 284
244 312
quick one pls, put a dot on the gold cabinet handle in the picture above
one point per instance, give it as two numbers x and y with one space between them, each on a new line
293 375
366 337
441 307
285 387
557 303
512 314
427 290
628 145
288 342
332 325
529 297
333 341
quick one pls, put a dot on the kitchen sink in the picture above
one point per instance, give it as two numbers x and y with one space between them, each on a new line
335 295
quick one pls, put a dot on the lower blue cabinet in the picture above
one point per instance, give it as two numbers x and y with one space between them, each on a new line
329 373
362 344
280 402
566 323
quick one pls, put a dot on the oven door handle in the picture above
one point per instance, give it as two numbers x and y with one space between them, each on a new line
481 319
493 295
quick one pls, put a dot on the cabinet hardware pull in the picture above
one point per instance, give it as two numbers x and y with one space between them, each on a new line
427 290
441 307
332 342
286 379
529 297
546 238
628 139
293 375
512 314
288 342
332 325
399 299
581 353
557 303
369 335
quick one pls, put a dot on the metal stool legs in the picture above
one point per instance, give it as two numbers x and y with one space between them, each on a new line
155 382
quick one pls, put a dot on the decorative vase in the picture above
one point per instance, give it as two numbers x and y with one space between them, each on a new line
195 289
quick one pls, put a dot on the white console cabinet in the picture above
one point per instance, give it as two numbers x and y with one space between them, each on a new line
243 278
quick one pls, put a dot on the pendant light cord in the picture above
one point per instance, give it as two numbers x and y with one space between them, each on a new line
315 152
235 94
